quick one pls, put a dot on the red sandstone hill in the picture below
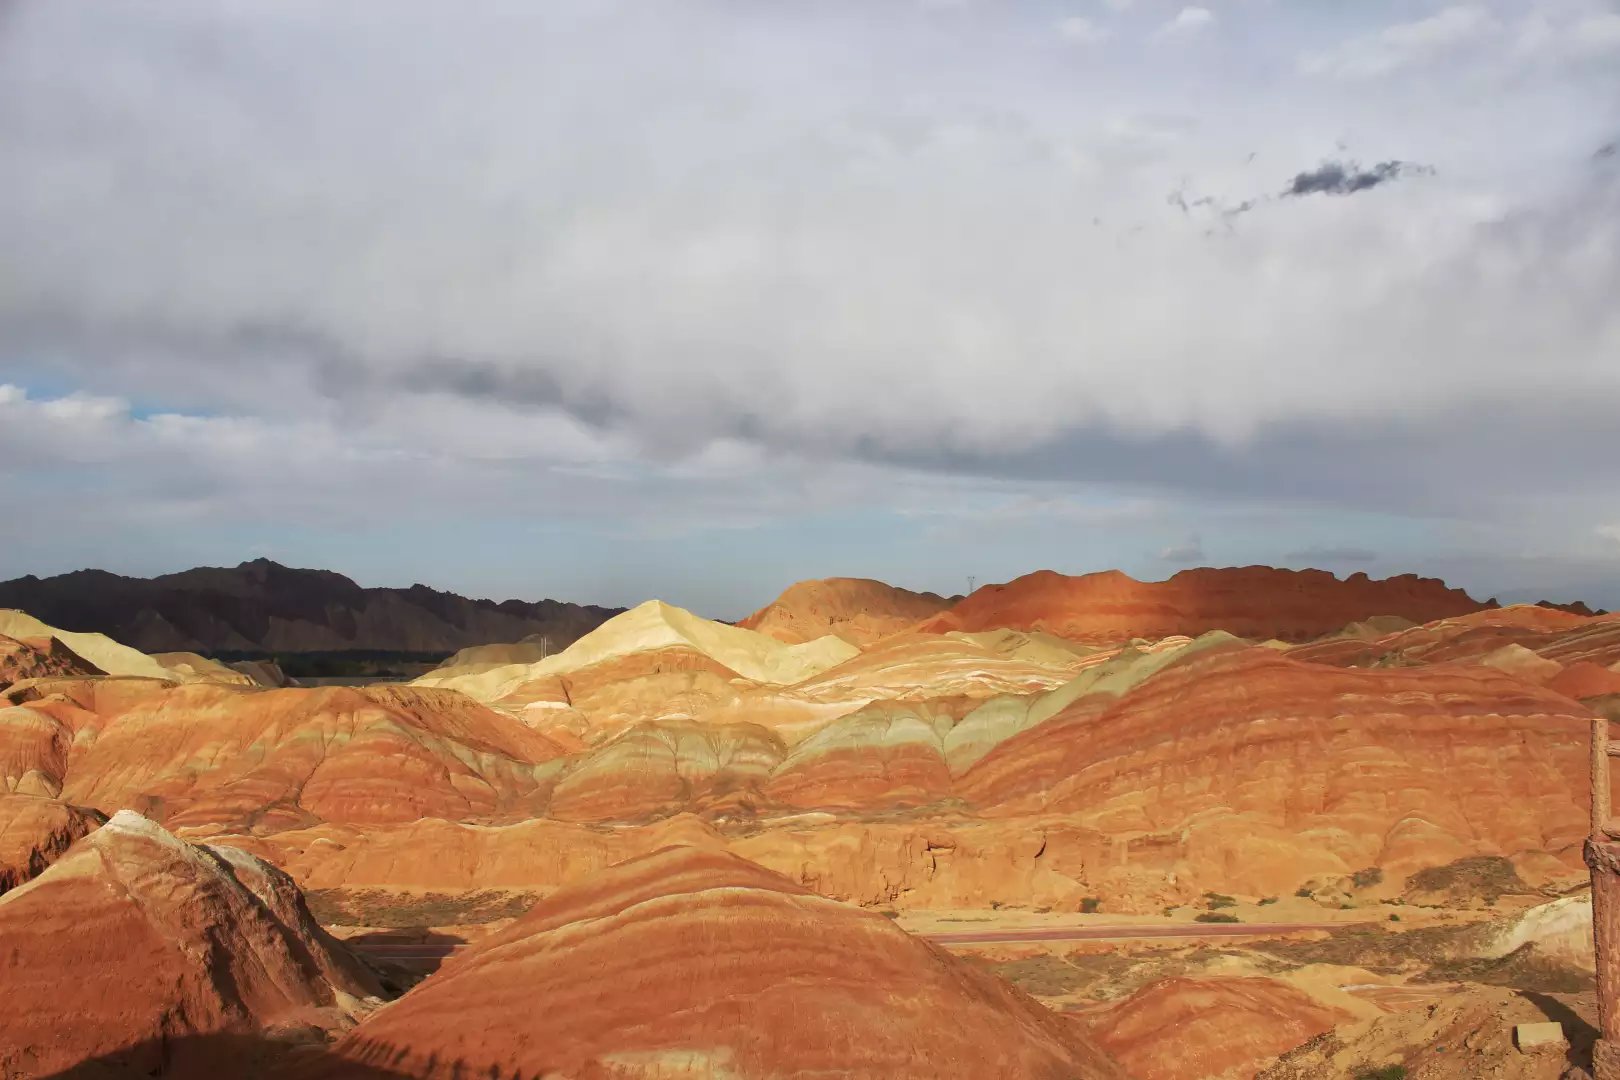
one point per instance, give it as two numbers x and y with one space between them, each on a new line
859 610
1558 637
1252 601
34 830
207 754
1223 1027
1146 781
1238 764
694 963
38 658
133 940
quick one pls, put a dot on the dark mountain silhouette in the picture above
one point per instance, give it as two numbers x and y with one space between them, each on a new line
262 606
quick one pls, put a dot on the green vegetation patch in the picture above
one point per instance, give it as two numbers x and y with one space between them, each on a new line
1478 877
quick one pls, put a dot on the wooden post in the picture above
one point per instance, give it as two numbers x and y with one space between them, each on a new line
1603 859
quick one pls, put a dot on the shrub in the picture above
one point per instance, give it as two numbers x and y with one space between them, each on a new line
1394 917
1303 892
1090 905
1367 878
1215 917
1385 1072
1219 900
1268 901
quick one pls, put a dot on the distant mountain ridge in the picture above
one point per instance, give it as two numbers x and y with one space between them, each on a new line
264 606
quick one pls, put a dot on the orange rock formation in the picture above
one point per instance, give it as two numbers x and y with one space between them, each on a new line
132 940
33 831
691 963
859 610
1209 1028
1552 635
1237 763
208 754
1145 781
1254 601
37 658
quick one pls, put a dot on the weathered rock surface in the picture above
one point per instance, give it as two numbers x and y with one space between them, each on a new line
1239 764
133 940
1208 1028
899 864
39 658
34 830
655 628
191 667
213 755
1254 602
1552 636
102 653
1466 1035
1560 930
694 964
1583 679
859 610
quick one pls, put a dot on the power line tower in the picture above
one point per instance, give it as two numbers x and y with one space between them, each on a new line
972 584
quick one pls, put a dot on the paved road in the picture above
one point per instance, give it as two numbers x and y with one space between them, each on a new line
405 949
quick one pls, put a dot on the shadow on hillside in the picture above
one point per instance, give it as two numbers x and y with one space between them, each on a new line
208 1057
253 1057
405 957
1577 1029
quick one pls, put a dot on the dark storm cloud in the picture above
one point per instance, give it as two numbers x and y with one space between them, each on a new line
1348 177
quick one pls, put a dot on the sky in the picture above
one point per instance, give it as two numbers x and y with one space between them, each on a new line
604 300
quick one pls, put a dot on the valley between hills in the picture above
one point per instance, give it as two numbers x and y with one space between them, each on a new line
1241 823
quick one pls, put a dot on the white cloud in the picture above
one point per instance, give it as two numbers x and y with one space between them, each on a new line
1610 532
1595 35
624 246
1404 44
1187 21
1082 31
731 246
1190 550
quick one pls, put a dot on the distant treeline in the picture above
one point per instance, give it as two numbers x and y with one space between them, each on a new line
341 663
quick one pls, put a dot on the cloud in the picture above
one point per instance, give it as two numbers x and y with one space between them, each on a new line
1598 35
1403 45
1610 532
1190 550
1347 177
1082 31
746 287
1332 555
1188 20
